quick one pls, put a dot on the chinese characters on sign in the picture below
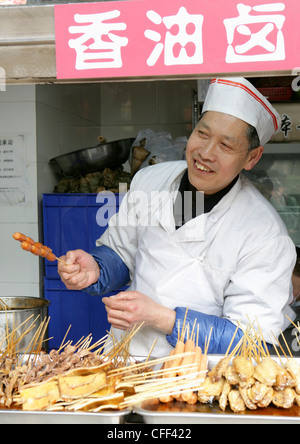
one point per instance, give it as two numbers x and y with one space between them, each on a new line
12 169
104 50
188 37
260 42
154 37
288 126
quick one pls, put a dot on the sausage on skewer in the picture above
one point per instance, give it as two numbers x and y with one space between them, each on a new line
22 238
172 366
168 398
191 397
38 251
186 363
36 248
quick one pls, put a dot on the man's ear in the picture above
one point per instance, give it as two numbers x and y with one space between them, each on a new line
253 158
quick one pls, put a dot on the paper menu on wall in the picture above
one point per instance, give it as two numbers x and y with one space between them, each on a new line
12 169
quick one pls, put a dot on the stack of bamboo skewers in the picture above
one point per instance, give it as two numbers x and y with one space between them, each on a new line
118 381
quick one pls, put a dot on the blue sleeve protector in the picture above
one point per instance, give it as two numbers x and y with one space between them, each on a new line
114 274
222 330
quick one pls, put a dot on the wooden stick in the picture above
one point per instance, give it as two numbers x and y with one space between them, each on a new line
65 337
183 326
125 342
207 342
6 307
156 375
191 380
152 348
60 260
287 346
296 326
163 390
277 352
153 363
235 350
233 338
263 339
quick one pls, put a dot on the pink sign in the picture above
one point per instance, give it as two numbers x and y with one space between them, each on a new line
147 38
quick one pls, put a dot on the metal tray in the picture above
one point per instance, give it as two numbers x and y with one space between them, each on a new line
153 412
178 413
10 416
22 417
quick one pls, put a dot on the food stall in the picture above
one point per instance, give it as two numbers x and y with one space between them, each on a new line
142 72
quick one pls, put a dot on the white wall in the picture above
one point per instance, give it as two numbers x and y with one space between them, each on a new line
57 119
19 271
127 108
68 118
71 117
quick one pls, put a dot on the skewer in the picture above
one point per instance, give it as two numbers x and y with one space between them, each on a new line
183 326
6 307
152 348
148 384
65 337
292 322
258 349
189 380
233 338
37 248
297 328
287 346
63 262
159 391
277 352
263 339
153 363
207 342
35 338
126 341
98 343
154 376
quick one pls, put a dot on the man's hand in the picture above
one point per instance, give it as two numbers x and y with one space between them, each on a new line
80 272
131 308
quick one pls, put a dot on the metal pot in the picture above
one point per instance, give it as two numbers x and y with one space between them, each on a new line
19 309
88 160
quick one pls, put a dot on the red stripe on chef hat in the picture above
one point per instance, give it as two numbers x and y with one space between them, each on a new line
252 94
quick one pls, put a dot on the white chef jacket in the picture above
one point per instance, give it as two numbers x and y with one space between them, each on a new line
235 262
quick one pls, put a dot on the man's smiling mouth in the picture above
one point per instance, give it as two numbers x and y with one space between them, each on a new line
202 167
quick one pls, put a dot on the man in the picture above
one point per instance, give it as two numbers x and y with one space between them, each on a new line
230 263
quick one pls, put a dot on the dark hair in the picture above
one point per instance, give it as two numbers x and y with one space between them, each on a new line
253 138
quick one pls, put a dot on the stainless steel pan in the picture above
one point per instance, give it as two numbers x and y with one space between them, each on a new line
180 413
71 418
88 160
14 311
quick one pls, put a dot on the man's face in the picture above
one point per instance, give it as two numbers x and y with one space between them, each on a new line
217 152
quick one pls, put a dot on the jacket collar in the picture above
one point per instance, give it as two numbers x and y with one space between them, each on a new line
194 230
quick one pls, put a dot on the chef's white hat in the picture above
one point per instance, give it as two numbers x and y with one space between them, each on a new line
239 98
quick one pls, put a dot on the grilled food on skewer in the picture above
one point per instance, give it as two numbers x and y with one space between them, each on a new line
36 248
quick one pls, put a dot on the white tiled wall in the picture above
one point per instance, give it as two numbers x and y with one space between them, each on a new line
71 117
57 119
19 272
127 108
68 118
